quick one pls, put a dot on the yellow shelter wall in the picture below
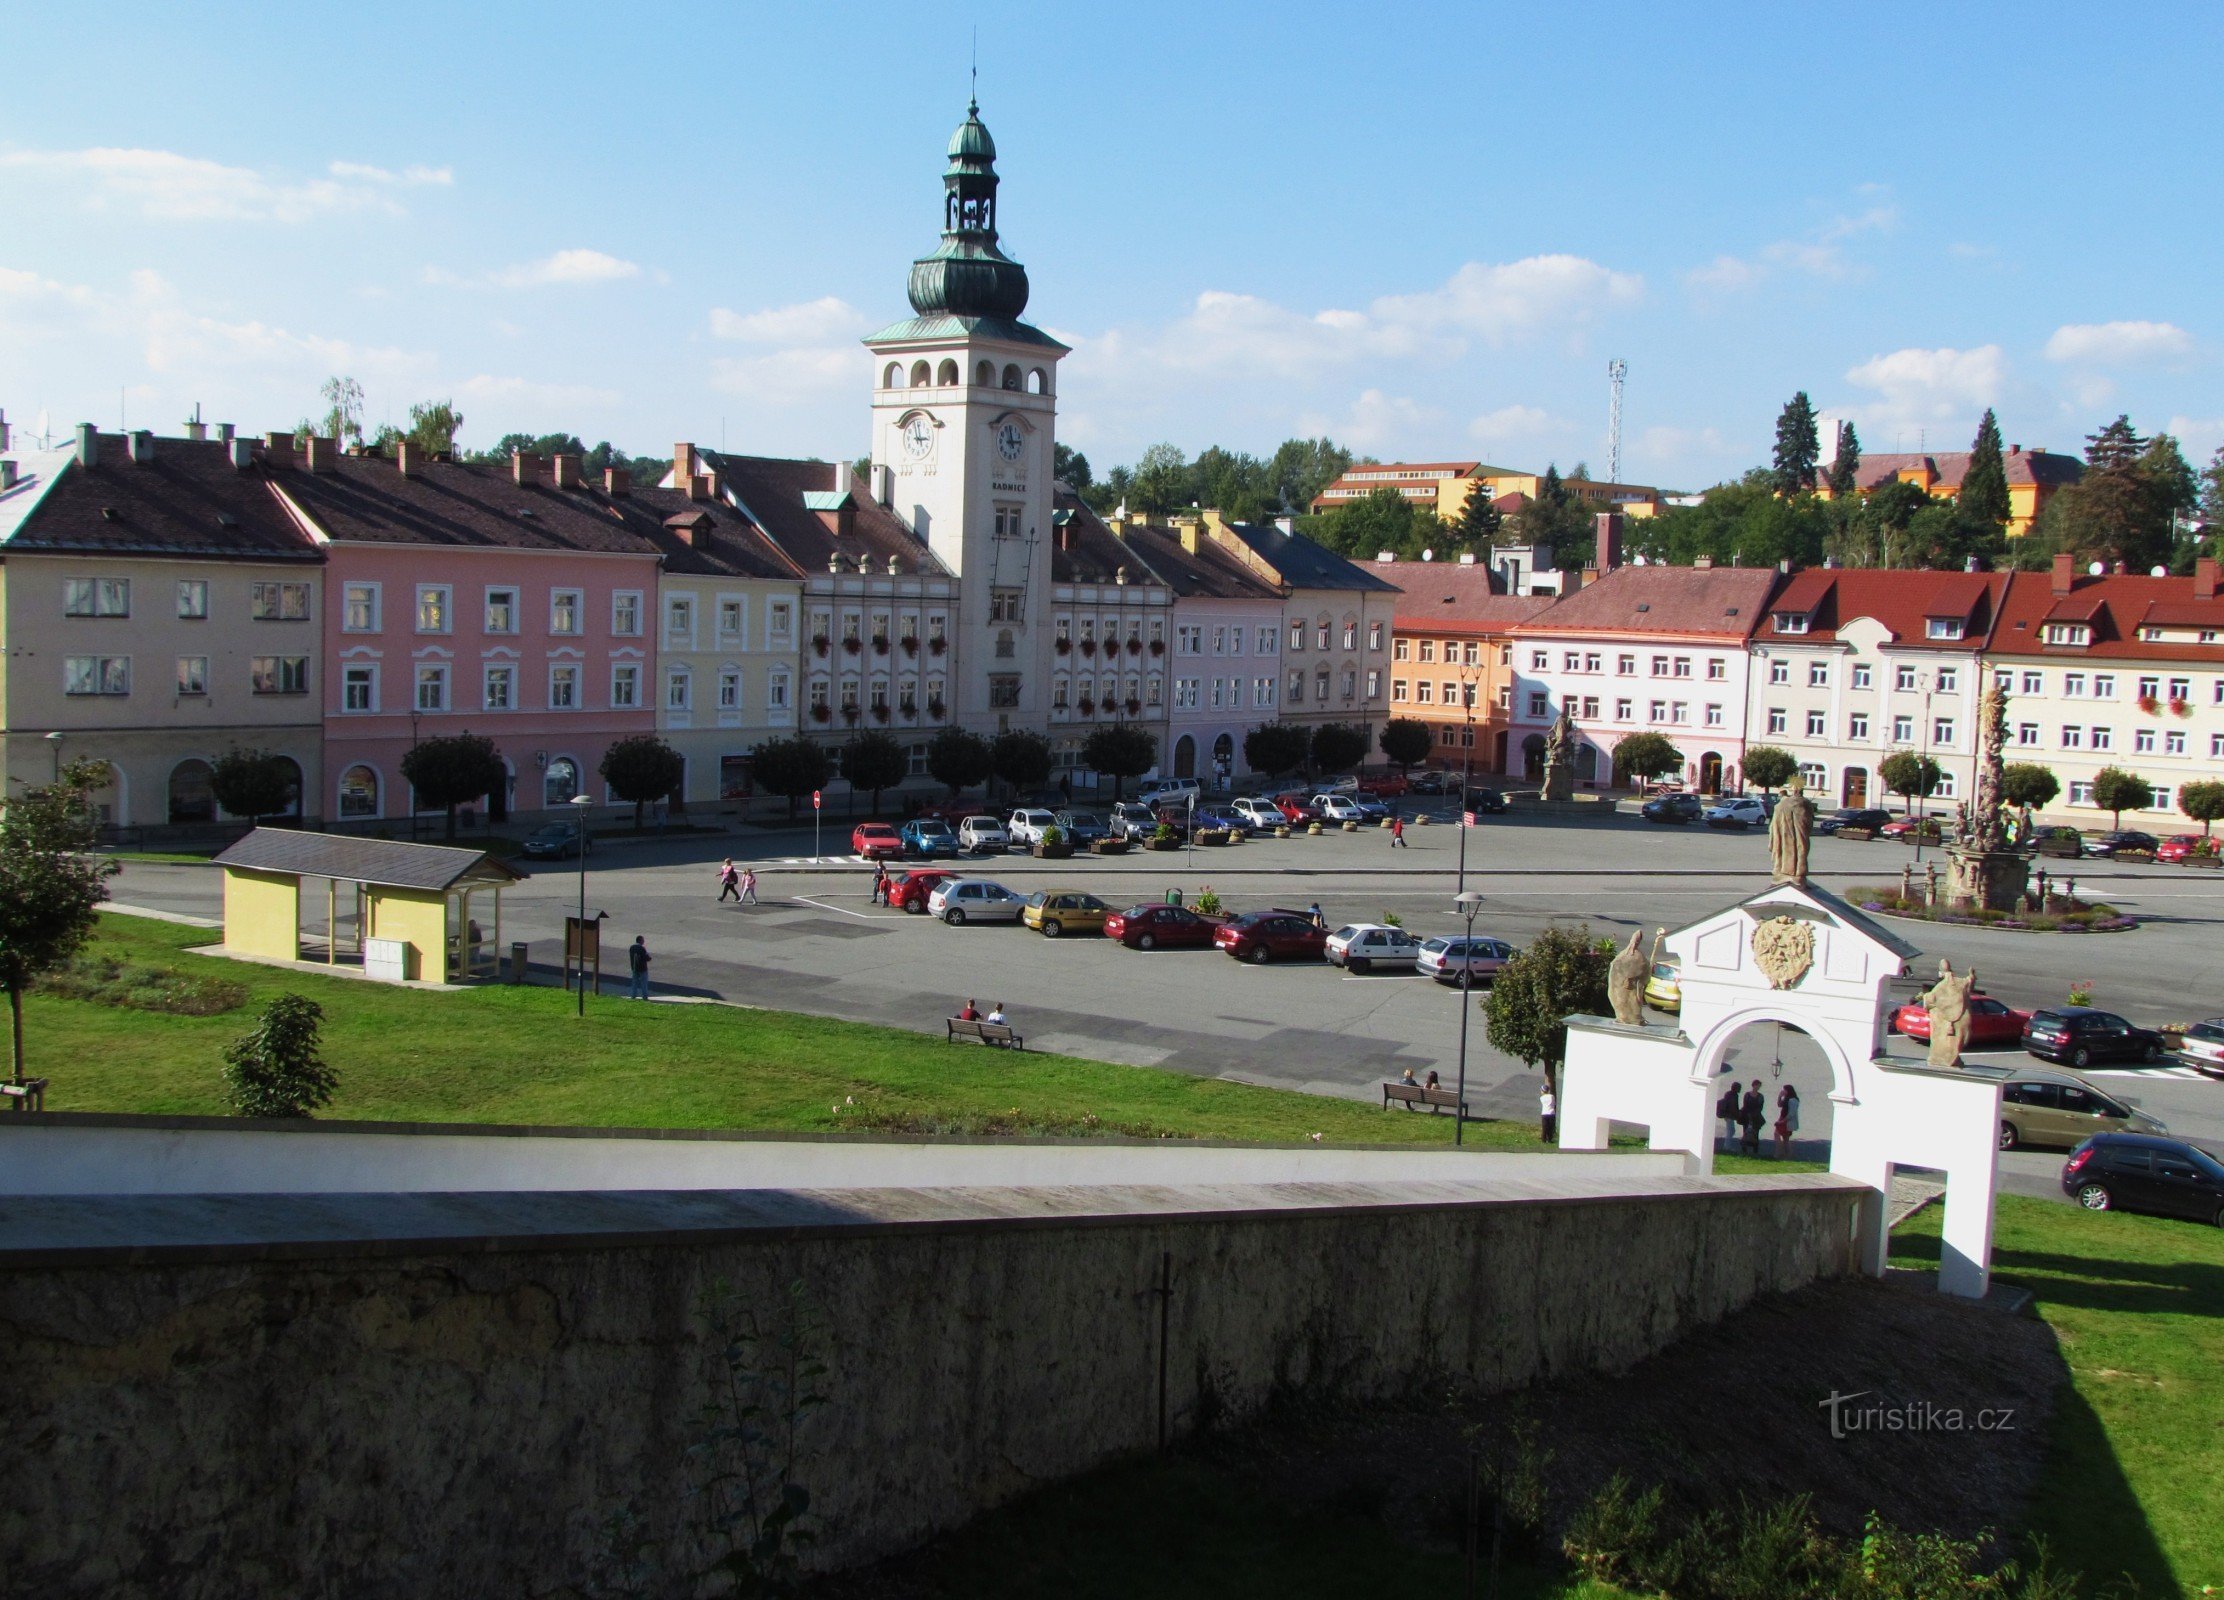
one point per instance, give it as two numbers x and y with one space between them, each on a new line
418 917
262 913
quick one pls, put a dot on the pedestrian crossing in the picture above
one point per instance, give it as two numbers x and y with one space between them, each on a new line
2192 1074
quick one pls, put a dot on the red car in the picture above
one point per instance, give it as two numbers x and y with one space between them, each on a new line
1388 785
875 841
2178 847
1263 936
1161 927
1990 1022
908 891
1297 807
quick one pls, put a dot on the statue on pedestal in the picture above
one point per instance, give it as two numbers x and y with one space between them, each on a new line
1989 867
1625 983
1947 1001
1559 760
1788 827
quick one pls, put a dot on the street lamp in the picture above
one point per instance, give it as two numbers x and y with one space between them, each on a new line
582 801
1467 764
54 743
1922 765
1469 903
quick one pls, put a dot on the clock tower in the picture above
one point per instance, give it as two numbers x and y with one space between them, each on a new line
964 407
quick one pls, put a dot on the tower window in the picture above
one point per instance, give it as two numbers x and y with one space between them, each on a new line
920 372
1011 376
985 375
947 373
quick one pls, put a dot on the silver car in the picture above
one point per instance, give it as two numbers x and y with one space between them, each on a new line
964 900
1366 945
979 835
1462 961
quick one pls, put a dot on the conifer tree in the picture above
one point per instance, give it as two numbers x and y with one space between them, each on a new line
1845 467
1984 487
1798 446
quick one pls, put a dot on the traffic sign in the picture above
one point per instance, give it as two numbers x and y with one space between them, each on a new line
814 799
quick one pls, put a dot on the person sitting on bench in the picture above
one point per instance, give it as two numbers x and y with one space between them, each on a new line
970 1013
995 1017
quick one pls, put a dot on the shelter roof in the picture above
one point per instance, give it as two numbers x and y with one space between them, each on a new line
388 863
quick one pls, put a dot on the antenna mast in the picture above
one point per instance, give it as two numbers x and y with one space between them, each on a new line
1616 370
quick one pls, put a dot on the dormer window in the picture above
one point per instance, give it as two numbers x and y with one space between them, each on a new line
1946 627
2078 633
1792 621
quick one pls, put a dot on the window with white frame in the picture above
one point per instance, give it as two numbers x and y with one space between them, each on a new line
96 597
1949 680
733 619
679 689
1944 627
1814 724
1398 690
1904 679
193 676
1683 666
567 612
1778 719
1401 650
1539 703
1857 726
359 608
1623 709
2162 798
1374 683
2070 633
1714 716
1779 670
1320 634
783 622
501 611
2073 685
1626 666
432 686
1374 636
1262 692
2103 738
729 688
625 613
2027 733
1818 674
679 620
1424 692
193 600
2034 683
435 613
498 690
1657 711
2143 741
1267 640
1862 675
278 602
1297 687
1942 732
2073 736
1903 730
1320 686
278 674
2081 791
776 689
96 675
1351 636
625 686
359 688
1717 669
563 687
1539 660
2173 744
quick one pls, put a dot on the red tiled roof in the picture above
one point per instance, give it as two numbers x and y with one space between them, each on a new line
1694 602
1446 596
771 491
1901 601
2114 607
367 500
1950 466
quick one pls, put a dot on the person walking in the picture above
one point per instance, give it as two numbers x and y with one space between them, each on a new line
1397 834
1727 1109
1787 1120
749 886
1752 1112
1548 1108
1319 921
880 882
729 881
637 959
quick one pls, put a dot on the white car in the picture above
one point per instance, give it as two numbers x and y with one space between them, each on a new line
1444 958
1366 945
1743 810
964 900
1026 827
1168 791
2204 1045
979 835
1339 807
1259 813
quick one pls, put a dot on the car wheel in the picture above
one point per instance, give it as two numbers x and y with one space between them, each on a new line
1260 955
1358 963
2153 1052
2009 1138
915 907
954 917
1146 941
1051 930
2094 1198
2081 1057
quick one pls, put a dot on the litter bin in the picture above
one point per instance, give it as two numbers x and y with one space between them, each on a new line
1173 897
517 961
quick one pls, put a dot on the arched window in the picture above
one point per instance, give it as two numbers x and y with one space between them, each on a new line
1011 376
1185 757
947 373
893 378
1038 382
920 372
985 375
358 793
1224 754
560 782
192 792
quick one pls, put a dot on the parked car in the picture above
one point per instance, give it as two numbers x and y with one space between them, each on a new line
2080 1036
1338 808
1278 935
963 900
1736 811
2059 1108
2138 1172
875 841
910 891
1991 1024
1486 802
1385 785
1664 985
1156 791
1056 912
1297 809
979 835
1868 817
555 841
1364 946
1431 783
1257 813
1371 808
1154 927
2204 1045
928 837
2180 847
1081 828
2117 841
1132 819
1217 815
1027 825
1462 961
1671 808
1908 827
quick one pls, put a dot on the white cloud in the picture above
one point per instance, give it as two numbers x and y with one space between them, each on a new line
806 370
1724 275
1921 390
1374 422
2198 437
167 186
2108 344
810 322
1515 424
526 394
1819 254
566 268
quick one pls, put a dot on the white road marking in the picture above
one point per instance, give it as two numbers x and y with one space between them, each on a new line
2188 1074
806 900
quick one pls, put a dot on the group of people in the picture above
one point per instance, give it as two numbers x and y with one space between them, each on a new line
971 1012
1744 1114
738 884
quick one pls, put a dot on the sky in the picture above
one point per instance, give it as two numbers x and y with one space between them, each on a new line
1423 230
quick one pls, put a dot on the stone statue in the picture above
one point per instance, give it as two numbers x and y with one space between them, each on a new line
1625 983
1559 759
1788 827
1947 1001
1989 866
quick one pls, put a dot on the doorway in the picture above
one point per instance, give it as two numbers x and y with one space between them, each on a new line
1185 757
1856 793
1710 773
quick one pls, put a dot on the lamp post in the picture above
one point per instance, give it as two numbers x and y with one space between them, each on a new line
54 743
1469 903
1467 765
1922 766
582 802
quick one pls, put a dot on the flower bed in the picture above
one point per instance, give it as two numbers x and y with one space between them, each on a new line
2082 917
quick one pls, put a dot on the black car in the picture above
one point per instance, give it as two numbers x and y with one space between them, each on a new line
2108 844
1853 817
2078 1036
1486 802
1671 808
1082 828
1430 783
2139 1172
554 841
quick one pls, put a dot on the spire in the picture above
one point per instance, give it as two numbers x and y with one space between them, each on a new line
967 275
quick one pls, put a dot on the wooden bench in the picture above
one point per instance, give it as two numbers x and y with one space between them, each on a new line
1413 1094
987 1032
29 1095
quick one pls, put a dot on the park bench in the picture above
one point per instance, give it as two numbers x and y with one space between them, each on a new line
29 1095
1414 1094
987 1032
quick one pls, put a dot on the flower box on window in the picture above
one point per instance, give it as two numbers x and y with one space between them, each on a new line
849 715
909 708
935 707
853 644
880 644
2181 708
822 712
1088 647
1086 706
1063 647
880 714
937 645
821 643
911 645
2149 704
1158 647
1135 647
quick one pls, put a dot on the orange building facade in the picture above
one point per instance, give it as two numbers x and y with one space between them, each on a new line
1451 661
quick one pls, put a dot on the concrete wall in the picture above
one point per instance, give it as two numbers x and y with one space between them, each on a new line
410 1416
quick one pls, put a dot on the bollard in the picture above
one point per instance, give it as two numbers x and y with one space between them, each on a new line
518 949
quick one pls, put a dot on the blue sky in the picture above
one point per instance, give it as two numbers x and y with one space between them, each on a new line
1423 230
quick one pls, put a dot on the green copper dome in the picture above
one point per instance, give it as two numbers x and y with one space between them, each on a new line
967 275
971 142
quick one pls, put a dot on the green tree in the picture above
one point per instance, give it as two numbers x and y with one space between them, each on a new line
874 760
1984 486
1161 484
2203 801
2116 791
1121 749
1769 767
1071 468
1479 521
1382 520
1560 974
2211 500
434 425
1845 465
1234 484
794 767
1798 447
343 417
276 1070
50 884
1022 759
1337 745
2116 446
1301 468
1552 517
2026 783
1908 775
641 768
452 769
1276 747
957 758
253 783
1407 741
1646 755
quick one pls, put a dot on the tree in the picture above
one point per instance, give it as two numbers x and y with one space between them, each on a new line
1407 740
253 783
641 768
1798 447
2211 502
1301 468
1070 467
2114 447
1232 483
794 767
1561 973
454 768
874 760
1161 483
1647 755
1022 759
1121 749
1276 747
2026 783
1382 520
1984 487
434 425
343 417
50 884
1337 745
1769 767
2116 791
2203 801
1845 464
958 758
1479 521
1909 775
276 1070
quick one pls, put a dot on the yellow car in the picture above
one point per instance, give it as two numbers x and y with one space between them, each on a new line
1664 988
1065 911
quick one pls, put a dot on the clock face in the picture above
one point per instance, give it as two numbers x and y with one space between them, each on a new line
1010 441
918 438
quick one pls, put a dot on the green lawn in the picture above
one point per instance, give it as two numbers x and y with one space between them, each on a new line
519 1055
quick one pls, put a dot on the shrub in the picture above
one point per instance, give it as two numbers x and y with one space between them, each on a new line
1207 903
104 980
2081 991
276 1071
1053 835
1164 831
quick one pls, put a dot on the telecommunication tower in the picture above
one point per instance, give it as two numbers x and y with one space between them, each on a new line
1616 370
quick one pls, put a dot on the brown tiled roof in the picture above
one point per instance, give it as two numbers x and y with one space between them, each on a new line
1211 573
771 490
367 500
189 501
724 543
1086 551
385 862
2114 607
1902 601
1447 595
1710 602
2042 467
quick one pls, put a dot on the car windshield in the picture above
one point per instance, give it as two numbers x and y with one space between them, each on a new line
1437 946
1345 933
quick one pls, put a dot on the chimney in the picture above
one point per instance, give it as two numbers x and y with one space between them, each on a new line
1192 535
3 430
696 485
7 475
242 452
565 467
1702 563
88 445
409 458
711 487
142 447
845 478
2015 449
525 467
617 482
196 430
278 448
1608 547
2204 578
2119 569
683 464
2065 572
884 484
1784 567
225 433
324 454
